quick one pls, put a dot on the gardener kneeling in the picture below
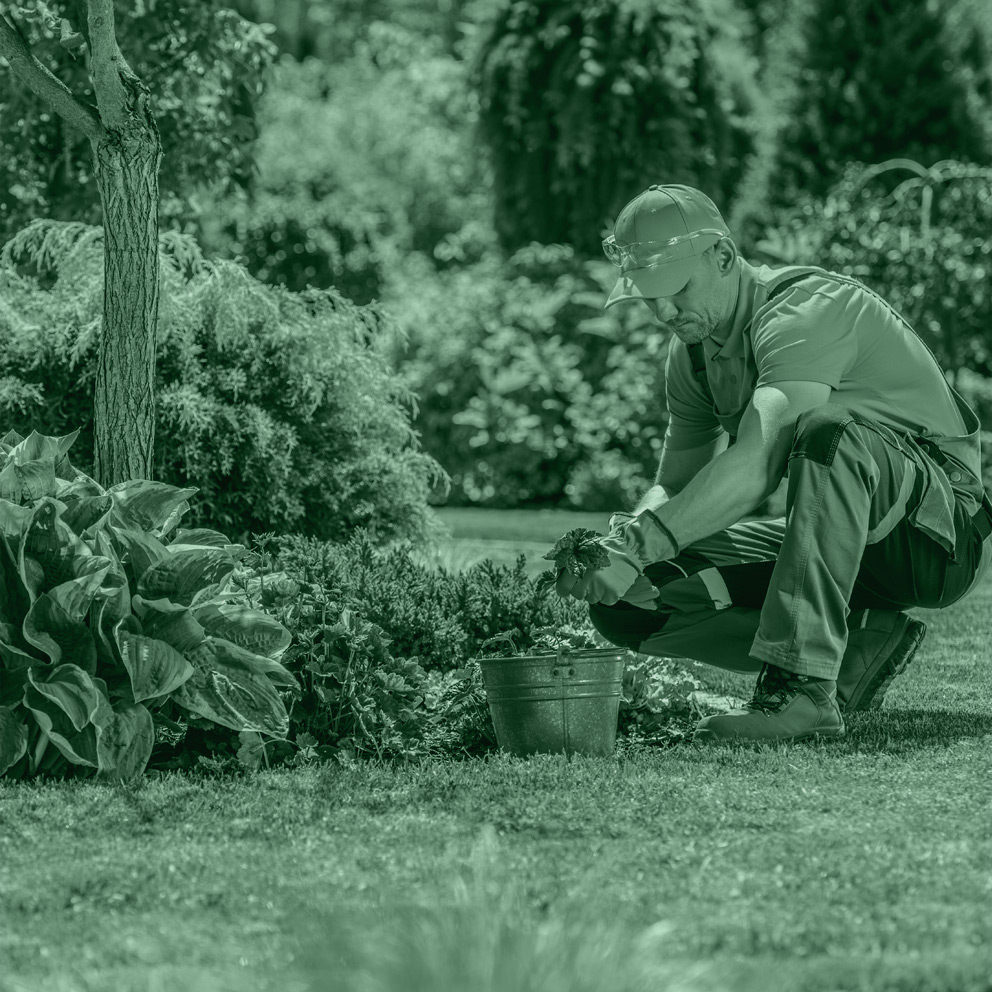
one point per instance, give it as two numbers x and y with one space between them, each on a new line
811 375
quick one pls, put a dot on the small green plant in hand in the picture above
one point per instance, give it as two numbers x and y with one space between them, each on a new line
576 552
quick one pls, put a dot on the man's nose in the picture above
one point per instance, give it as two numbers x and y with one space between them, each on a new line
662 308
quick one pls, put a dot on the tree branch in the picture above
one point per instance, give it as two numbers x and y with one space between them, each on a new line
107 64
25 67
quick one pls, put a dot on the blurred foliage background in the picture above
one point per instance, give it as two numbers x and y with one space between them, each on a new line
432 180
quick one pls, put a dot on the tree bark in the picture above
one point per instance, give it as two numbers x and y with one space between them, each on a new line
124 405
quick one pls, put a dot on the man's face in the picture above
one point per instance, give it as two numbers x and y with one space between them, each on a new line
696 311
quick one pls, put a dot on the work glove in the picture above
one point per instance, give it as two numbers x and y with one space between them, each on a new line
602 585
633 542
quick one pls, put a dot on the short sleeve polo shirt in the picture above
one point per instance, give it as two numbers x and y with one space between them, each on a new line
827 328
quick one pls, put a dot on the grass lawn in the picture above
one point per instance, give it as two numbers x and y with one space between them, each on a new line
860 864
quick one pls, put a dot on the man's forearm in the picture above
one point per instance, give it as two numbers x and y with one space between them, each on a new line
655 497
721 493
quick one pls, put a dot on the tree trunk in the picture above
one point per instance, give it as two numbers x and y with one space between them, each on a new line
124 406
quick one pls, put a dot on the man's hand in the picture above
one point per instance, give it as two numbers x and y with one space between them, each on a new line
612 582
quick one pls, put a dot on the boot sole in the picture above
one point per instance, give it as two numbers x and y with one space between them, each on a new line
869 695
708 737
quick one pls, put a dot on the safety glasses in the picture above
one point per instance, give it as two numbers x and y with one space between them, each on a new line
639 254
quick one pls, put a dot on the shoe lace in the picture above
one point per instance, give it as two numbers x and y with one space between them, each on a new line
774 689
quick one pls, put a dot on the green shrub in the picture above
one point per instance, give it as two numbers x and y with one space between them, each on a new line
279 407
925 247
107 633
529 393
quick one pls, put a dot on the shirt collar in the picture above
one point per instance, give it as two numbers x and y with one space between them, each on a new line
733 345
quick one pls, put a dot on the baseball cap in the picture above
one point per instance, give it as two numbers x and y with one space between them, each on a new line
657 241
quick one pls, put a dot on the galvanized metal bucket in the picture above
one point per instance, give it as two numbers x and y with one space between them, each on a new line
567 702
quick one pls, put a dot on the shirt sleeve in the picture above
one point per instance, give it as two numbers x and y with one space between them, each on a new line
692 421
808 336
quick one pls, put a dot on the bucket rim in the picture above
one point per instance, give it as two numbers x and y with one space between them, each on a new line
573 654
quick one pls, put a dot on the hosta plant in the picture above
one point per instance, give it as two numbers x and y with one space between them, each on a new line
112 622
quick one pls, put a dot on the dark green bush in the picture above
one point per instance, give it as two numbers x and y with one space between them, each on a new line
279 407
584 104
926 247
529 392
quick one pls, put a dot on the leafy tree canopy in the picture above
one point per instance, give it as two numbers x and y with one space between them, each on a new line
203 65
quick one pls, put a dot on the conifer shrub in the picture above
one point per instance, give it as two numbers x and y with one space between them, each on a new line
584 104
279 407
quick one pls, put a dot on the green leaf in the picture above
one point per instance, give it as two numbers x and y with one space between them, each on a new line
140 504
182 574
139 551
125 741
27 483
156 668
202 536
64 706
13 738
229 686
52 544
51 629
86 514
15 652
253 630
170 622
29 470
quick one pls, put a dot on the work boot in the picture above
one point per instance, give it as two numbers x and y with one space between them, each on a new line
785 707
880 644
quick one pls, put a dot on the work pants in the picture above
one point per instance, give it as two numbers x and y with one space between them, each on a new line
786 590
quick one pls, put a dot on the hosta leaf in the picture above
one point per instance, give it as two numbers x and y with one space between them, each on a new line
170 622
80 488
64 706
93 578
183 573
139 551
13 738
253 630
51 629
15 601
52 544
229 687
202 536
119 604
125 741
41 446
28 482
15 652
140 504
87 514
156 668
10 439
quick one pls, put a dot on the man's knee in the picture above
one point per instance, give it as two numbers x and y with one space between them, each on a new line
618 624
819 431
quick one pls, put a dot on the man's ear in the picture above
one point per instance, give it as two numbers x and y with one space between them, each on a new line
725 253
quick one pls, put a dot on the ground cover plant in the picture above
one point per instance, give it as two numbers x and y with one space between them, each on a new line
861 864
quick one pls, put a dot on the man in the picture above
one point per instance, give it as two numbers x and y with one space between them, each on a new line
795 372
